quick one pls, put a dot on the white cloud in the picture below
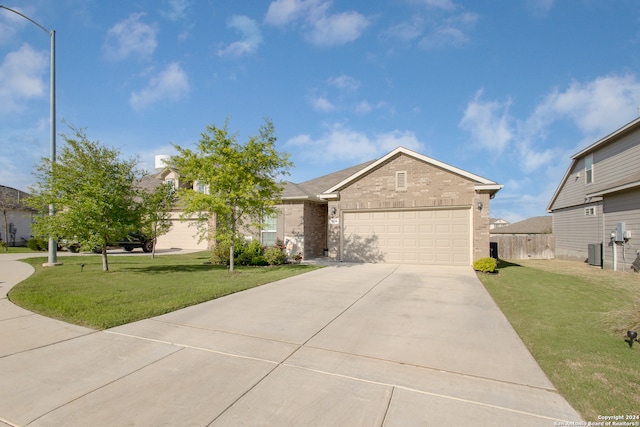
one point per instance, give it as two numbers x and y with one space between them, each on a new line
488 122
251 37
595 108
451 32
321 28
348 145
541 7
176 10
407 31
437 4
363 107
22 77
345 82
322 104
131 37
282 12
170 84
337 29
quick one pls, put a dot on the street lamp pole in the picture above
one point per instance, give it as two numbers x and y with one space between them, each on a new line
53 256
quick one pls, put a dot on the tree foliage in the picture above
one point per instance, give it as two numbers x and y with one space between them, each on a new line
156 218
93 193
243 181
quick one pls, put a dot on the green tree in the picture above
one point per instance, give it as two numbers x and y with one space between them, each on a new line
243 182
93 191
157 205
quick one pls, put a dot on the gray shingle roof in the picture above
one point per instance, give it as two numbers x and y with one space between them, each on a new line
535 225
313 187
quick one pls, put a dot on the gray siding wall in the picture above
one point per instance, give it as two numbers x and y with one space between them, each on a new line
574 188
617 160
621 207
21 220
611 163
574 232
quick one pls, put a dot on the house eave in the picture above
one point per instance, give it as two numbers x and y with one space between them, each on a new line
401 150
616 189
332 196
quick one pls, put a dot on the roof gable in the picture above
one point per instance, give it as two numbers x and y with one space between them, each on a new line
617 135
481 183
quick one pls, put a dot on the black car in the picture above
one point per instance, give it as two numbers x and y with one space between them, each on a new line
136 240
132 241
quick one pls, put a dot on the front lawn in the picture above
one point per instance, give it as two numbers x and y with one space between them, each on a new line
136 287
573 318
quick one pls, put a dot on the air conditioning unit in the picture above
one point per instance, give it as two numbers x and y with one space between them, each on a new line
595 254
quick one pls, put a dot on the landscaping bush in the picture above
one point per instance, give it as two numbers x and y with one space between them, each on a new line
485 265
259 261
275 256
36 244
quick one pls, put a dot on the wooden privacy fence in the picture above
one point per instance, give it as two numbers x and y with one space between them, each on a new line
525 246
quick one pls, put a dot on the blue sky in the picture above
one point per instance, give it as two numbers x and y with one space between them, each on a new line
504 89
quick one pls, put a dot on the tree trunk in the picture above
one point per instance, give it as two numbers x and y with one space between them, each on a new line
105 263
231 251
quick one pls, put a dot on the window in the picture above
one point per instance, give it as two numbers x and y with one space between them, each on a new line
268 232
201 188
171 182
588 169
590 211
401 181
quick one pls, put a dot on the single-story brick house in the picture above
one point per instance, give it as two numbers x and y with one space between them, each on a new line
402 208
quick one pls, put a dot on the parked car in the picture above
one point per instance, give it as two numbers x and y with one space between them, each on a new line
136 240
131 242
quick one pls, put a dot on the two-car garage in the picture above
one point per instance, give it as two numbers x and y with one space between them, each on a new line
426 236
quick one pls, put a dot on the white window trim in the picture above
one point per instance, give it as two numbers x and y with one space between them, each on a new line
265 230
404 181
588 172
590 211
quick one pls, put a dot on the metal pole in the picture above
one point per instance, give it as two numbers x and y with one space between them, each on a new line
53 245
53 256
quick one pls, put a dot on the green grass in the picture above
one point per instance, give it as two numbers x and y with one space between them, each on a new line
17 250
135 287
573 319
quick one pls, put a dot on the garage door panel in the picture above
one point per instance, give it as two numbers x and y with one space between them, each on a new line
419 236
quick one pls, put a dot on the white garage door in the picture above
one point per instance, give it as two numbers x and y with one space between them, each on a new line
183 235
441 237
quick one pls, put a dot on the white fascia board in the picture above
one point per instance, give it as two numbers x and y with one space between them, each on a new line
415 155
332 196
607 138
489 187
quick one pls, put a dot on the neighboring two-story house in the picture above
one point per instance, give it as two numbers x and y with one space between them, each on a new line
596 207
15 217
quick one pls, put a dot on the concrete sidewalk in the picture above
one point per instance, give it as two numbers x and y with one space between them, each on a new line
357 345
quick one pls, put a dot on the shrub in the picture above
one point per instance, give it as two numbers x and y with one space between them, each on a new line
274 256
485 265
36 244
220 252
259 261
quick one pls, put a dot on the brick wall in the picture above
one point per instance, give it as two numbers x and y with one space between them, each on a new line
426 186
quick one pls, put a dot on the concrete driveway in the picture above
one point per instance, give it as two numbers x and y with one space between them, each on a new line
348 345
